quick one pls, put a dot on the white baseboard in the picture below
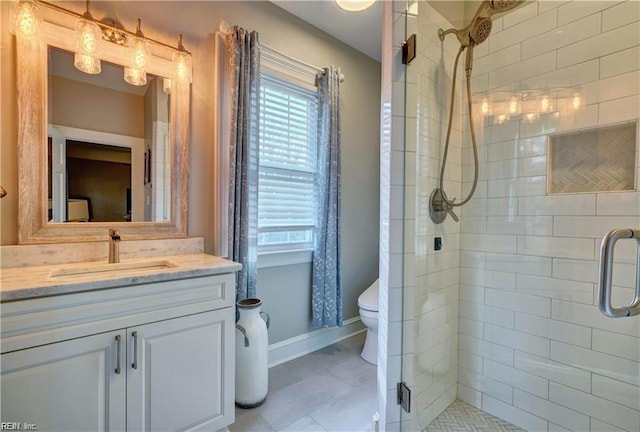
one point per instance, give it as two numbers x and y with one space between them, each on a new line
298 346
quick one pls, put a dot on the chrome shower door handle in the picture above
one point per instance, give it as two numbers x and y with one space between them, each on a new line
606 272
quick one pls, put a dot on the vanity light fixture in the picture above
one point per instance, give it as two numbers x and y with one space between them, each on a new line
355 5
88 40
25 20
530 105
135 73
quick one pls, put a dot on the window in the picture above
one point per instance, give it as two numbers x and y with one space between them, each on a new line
287 168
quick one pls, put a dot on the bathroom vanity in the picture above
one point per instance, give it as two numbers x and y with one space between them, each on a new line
145 344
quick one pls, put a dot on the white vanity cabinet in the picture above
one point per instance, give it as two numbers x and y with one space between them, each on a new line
153 356
176 378
66 386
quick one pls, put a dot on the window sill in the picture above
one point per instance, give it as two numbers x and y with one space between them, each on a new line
284 258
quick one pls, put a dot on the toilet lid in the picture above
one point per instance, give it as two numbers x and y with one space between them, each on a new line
369 299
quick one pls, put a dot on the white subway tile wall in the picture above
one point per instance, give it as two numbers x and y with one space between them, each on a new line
533 347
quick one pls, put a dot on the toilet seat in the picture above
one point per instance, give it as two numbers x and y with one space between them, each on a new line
368 300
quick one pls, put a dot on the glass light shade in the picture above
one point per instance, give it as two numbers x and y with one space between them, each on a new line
501 119
576 102
514 106
88 40
87 63
546 104
355 5
138 53
25 20
166 85
485 107
182 64
135 73
133 76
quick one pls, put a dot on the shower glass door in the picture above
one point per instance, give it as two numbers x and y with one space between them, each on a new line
500 308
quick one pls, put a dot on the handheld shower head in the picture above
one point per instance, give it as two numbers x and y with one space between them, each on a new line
479 28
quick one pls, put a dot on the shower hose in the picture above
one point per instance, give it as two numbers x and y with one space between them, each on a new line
473 137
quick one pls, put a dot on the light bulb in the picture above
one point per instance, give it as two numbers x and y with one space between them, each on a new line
135 73
88 39
485 106
513 106
182 63
545 104
576 102
25 20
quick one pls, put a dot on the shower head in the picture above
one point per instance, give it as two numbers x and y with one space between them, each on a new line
504 5
479 28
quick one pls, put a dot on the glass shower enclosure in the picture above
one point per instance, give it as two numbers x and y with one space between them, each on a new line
500 309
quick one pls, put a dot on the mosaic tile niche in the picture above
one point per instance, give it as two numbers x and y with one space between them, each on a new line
595 160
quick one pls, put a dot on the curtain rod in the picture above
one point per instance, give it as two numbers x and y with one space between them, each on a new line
225 26
296 60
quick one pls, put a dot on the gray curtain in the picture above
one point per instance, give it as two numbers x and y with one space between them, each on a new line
244 54
327 289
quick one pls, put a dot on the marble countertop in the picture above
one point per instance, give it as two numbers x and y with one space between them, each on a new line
24 283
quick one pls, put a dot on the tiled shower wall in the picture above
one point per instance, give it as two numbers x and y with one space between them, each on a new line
533 347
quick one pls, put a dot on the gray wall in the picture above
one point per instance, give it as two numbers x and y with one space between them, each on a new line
284 289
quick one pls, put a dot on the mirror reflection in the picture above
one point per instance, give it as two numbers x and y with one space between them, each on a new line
108 145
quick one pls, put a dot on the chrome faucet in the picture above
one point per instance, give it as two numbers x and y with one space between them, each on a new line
114 246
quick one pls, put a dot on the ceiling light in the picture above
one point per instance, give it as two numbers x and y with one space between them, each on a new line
355 5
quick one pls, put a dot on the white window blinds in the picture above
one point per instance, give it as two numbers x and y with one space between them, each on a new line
288 135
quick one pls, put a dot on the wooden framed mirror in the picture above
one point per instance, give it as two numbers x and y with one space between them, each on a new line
36 223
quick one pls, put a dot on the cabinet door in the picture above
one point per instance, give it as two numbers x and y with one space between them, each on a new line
184 375
67 386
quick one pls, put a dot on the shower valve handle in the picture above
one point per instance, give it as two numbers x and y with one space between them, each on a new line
451 213
439 207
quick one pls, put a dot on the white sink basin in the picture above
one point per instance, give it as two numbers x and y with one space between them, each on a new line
115 269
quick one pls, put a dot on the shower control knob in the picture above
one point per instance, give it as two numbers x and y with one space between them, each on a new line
439 207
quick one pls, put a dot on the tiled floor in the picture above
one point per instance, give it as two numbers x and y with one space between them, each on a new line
462 417
332 389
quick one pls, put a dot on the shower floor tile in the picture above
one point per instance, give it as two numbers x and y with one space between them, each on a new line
462 417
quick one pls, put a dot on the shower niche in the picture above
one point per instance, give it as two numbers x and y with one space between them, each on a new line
604 159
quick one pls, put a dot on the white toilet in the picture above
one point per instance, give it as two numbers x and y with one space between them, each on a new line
368 304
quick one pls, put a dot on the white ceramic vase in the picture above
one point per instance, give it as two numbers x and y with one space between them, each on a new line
252 354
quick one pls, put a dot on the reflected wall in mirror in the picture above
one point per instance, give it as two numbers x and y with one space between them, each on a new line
103 133
152 127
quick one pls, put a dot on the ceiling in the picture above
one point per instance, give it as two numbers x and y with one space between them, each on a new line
362 30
